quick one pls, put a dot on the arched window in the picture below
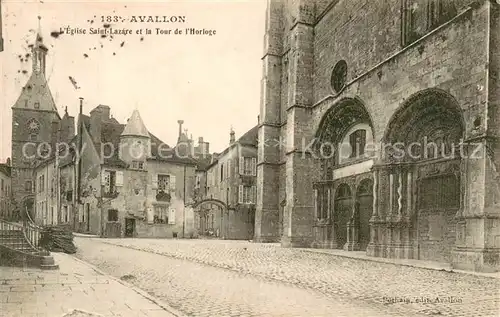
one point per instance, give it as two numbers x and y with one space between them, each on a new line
343 192
357 141
422 16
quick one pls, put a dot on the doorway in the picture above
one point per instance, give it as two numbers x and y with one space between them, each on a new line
364 203
342 210
129 227
438 203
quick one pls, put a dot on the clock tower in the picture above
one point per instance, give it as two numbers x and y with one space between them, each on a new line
35 121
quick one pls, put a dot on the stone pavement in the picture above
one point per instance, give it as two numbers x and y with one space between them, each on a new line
203 290
408 290
76 290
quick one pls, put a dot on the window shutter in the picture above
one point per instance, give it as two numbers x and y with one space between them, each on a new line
119 179
172 182
254 194
254 166
240 194
171 216
154 181
242 165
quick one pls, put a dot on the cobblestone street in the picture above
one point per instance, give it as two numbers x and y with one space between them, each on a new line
74 290
238 278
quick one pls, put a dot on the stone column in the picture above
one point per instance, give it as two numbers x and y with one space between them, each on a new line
407 226
267 206
328 203
373 247
332 243
316 203
479 250
299 161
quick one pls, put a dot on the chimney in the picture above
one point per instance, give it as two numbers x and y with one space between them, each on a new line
215 157
231 136
102 112
206 149
180 122
70 132
191 145
98 115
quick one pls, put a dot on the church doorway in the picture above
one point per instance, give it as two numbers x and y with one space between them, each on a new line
343 210
364 204
438 203
431 126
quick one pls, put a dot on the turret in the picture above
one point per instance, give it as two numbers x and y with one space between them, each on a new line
135 142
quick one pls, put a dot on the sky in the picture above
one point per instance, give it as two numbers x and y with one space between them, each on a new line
210 82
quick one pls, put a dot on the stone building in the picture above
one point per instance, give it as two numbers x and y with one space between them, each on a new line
227 210
6 211
36 128
46 198
131 183
369 97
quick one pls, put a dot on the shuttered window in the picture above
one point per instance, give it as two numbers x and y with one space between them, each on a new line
247 194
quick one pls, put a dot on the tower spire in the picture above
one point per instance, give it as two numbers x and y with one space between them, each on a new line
39 51
39 38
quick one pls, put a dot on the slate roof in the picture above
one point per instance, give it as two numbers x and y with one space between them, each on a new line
135 126
250 137
160 151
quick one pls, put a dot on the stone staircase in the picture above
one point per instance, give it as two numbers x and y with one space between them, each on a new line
19 246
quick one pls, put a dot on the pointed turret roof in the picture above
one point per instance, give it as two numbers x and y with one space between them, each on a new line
135 126
36 94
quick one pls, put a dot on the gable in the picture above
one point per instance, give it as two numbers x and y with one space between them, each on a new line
36 95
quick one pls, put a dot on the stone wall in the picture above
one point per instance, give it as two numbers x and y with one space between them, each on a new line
382 74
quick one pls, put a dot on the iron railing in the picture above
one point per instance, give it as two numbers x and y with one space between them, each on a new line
32 232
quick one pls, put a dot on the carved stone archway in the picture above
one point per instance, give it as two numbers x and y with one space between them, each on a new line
333 127
418 159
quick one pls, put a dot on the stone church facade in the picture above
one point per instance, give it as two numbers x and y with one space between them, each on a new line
379 129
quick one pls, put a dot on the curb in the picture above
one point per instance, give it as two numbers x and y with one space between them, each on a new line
414 265
82 235
139 291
